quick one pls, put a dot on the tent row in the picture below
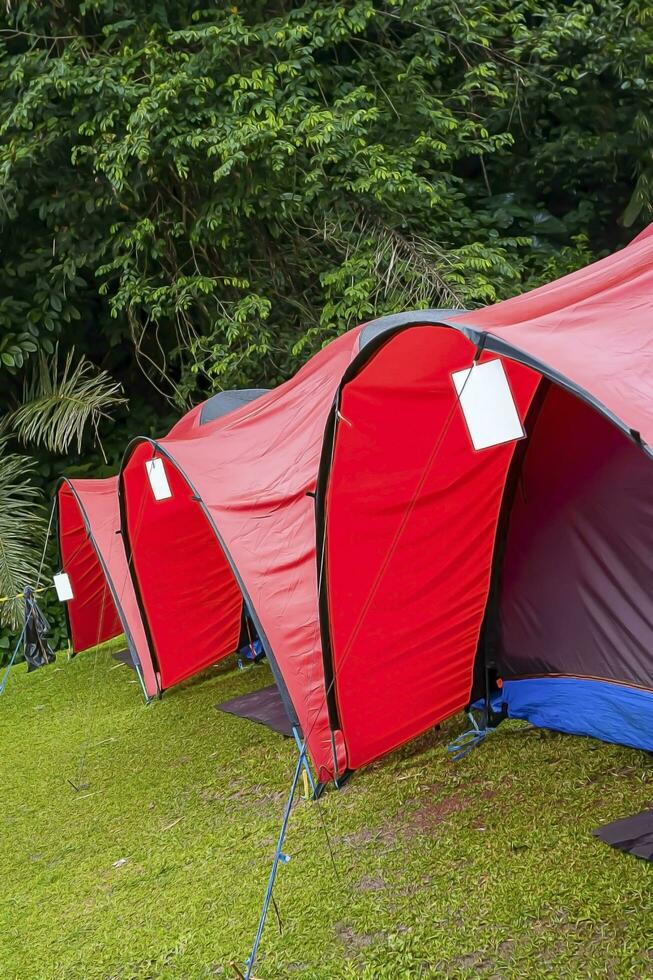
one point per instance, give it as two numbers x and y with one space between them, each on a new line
439 507
105 601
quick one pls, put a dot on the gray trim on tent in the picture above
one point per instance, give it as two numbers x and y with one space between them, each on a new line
225 402
376 328
378 331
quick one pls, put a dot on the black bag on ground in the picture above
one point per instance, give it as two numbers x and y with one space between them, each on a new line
36 649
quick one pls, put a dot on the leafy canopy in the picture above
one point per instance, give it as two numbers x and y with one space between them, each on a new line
220 189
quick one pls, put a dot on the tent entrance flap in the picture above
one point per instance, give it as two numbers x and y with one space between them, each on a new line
412 514
576 593
575 596
189 598
93 556
92 614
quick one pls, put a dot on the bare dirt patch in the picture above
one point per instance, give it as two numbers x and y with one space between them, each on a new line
433 813
367 835
371 883
355 942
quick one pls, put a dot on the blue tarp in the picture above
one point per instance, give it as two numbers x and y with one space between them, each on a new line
601 709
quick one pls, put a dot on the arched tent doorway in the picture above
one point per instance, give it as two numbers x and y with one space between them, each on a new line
412 546
437 558
409 541
188 595
92 554
250 475
190 599
573 618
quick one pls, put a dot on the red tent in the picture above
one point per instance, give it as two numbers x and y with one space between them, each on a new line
93 556
392 570
104 603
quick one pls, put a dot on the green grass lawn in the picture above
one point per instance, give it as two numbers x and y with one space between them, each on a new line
157 866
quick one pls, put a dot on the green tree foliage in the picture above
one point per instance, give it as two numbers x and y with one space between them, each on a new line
215 191
22 529
58 405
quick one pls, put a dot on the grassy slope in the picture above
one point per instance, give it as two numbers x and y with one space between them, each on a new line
482 868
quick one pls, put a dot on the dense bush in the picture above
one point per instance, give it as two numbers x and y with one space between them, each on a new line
212 192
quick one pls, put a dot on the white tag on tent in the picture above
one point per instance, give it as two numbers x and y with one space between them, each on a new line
63 587
158 479
487 404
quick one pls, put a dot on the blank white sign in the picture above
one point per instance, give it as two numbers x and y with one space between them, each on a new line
158 479
487 404
63 587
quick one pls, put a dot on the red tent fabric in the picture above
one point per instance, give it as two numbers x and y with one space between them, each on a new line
106 601
351 510
181 575
588 330
249 476
409 540
92 554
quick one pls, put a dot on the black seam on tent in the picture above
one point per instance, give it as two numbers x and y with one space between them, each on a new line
581 677
278 677
129 554
109 580
503 349
493 344
60 483
324 468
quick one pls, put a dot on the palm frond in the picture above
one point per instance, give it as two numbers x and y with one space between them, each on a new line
59 404
22 530
413 268
407 271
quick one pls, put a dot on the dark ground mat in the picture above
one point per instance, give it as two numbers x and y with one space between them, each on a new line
633 835
264 707
124 657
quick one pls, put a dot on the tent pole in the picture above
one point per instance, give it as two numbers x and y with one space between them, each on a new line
137 668
301 749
